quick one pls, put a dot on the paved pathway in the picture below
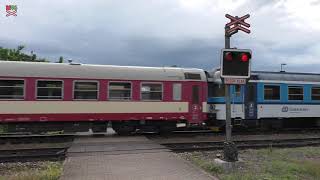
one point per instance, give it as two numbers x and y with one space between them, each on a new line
126 158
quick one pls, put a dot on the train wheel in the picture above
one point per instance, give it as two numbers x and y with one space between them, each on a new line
318 123
99 127
167 129
123 129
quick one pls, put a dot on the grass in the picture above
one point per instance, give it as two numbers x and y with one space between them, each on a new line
45 171
3 128
207 166
267 164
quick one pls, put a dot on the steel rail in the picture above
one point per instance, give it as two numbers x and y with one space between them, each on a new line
243 144
23 155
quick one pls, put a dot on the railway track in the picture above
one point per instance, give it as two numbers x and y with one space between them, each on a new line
35 154
34 147
27 139
243 144
54 147
191 133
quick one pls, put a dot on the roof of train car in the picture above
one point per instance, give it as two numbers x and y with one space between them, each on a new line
285 76
272 76
90 71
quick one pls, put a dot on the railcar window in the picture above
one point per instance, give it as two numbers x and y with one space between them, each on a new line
195 94
11 89
150 91
49 89
271 92
119 91
295 93
237 90
315 93
177 91
85 90
251 92
192 76
215 90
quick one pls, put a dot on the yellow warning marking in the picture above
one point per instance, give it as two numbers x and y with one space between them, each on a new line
214 128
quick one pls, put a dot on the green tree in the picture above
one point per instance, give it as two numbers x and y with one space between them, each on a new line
33 56
16 55
60 59
4 54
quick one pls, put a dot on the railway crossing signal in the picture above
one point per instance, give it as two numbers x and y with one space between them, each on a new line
235 63
235 69
237 24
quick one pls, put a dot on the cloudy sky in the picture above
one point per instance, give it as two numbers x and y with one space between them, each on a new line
187 33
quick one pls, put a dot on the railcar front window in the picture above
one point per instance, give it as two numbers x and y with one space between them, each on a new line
151 91
315 93
49 89
85 90
11 89
271 92
295 93
215 90
119 91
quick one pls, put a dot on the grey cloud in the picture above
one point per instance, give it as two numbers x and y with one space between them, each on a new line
315 3
153 33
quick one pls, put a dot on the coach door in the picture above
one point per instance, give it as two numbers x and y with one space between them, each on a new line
195 103
250 101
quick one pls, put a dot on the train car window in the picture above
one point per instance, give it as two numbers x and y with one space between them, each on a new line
151 91
11 89
251 95
195 94
215 90
119 90
315 93
237 90
271 92
192 76
85 90
176 91
49 89
295 93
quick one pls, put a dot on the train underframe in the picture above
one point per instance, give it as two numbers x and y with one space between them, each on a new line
268 123
159 126
120 127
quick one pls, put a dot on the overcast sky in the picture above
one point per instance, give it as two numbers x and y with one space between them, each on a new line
187 33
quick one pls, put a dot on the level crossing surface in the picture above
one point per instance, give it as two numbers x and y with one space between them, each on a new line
126 158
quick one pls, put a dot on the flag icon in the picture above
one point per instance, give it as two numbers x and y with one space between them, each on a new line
11 10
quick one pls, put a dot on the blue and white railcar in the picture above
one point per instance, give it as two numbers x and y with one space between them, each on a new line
269 98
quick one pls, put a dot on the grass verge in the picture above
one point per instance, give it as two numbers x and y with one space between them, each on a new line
31 171
270 163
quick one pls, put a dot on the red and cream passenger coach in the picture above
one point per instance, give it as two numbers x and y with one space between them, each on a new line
75 97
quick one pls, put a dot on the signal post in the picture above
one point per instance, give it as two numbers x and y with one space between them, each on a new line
235 69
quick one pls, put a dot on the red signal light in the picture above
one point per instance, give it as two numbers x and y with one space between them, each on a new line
228 56
244 57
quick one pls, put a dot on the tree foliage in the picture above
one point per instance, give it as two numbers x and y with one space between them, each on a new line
60 59
17 55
